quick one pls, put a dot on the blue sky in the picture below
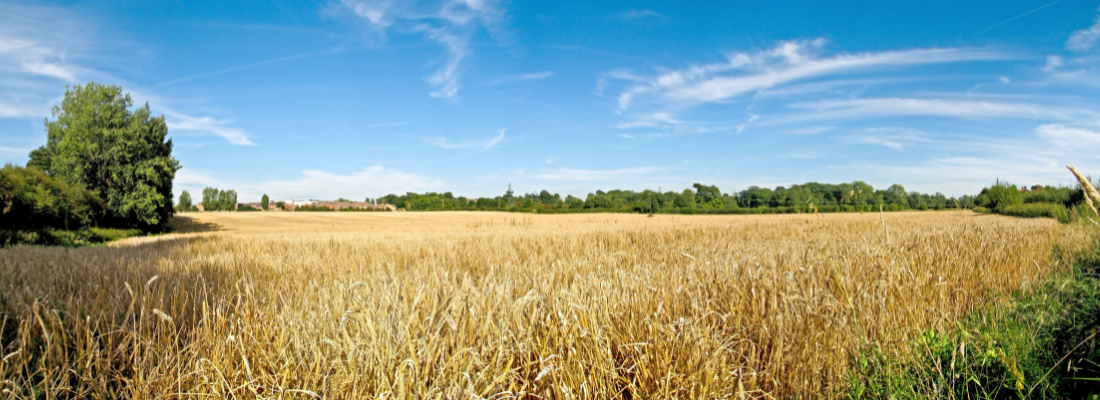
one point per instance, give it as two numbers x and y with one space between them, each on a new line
359 98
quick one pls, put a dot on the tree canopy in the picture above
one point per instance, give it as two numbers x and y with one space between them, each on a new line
123 156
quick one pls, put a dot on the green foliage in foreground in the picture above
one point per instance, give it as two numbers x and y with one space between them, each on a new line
57 237
30 200
1040 345
123 155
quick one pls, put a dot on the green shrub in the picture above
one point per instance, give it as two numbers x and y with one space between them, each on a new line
999 196
1038 210
30 200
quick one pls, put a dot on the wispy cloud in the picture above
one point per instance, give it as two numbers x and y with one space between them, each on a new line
371 181
889 137
1053 62
651 121
1068 136
14 150
236 68
447 144
571 174
534 76
884 107
41 47
788 62
208 125
450 24
1083 40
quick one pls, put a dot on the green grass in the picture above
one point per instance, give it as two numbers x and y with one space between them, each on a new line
77 238
1041 344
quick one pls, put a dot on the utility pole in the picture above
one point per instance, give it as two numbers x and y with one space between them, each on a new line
651 202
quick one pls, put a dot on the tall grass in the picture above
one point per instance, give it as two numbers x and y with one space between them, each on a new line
562 307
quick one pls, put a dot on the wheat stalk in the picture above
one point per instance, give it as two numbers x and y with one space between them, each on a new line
1091 196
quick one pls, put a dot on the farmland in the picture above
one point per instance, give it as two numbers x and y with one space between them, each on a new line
489 305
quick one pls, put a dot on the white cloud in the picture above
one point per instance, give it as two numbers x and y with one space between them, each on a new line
571 174
38 47
206 124
639 14
313 184
447 144
752 118
891 138
1083 40
788 62
19 111
375 12
450 24
651 121
37 41
880 107
534 76
14 150
1053 62
1067 136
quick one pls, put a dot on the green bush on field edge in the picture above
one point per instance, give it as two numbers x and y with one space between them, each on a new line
72 238
1038 210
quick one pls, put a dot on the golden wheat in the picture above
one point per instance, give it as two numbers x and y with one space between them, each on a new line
494 305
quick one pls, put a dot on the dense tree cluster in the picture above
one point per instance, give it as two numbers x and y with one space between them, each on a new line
121 156
219 200
105 171
809 197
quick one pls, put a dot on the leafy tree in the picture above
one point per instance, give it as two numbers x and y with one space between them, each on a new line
280 205
706 194
687 199
227 200
210 199
264 201
99 143
999 196
185 201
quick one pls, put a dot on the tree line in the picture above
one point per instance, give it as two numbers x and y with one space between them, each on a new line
699 199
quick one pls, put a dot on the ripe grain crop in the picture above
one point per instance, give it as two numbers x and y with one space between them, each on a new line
495 305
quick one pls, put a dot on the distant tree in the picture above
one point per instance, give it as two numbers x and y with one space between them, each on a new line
264 201
185 201
999 196
99 143
227 200
706 194
687 199
280 205
343 200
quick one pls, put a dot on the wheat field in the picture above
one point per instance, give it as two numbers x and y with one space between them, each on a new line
498 305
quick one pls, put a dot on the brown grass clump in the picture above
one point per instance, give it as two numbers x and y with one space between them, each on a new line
489 305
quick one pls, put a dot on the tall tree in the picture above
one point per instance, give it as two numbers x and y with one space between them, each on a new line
210 199
264 201
99 143
185 201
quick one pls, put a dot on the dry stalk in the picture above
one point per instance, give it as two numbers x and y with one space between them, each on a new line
419 305
1091 196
